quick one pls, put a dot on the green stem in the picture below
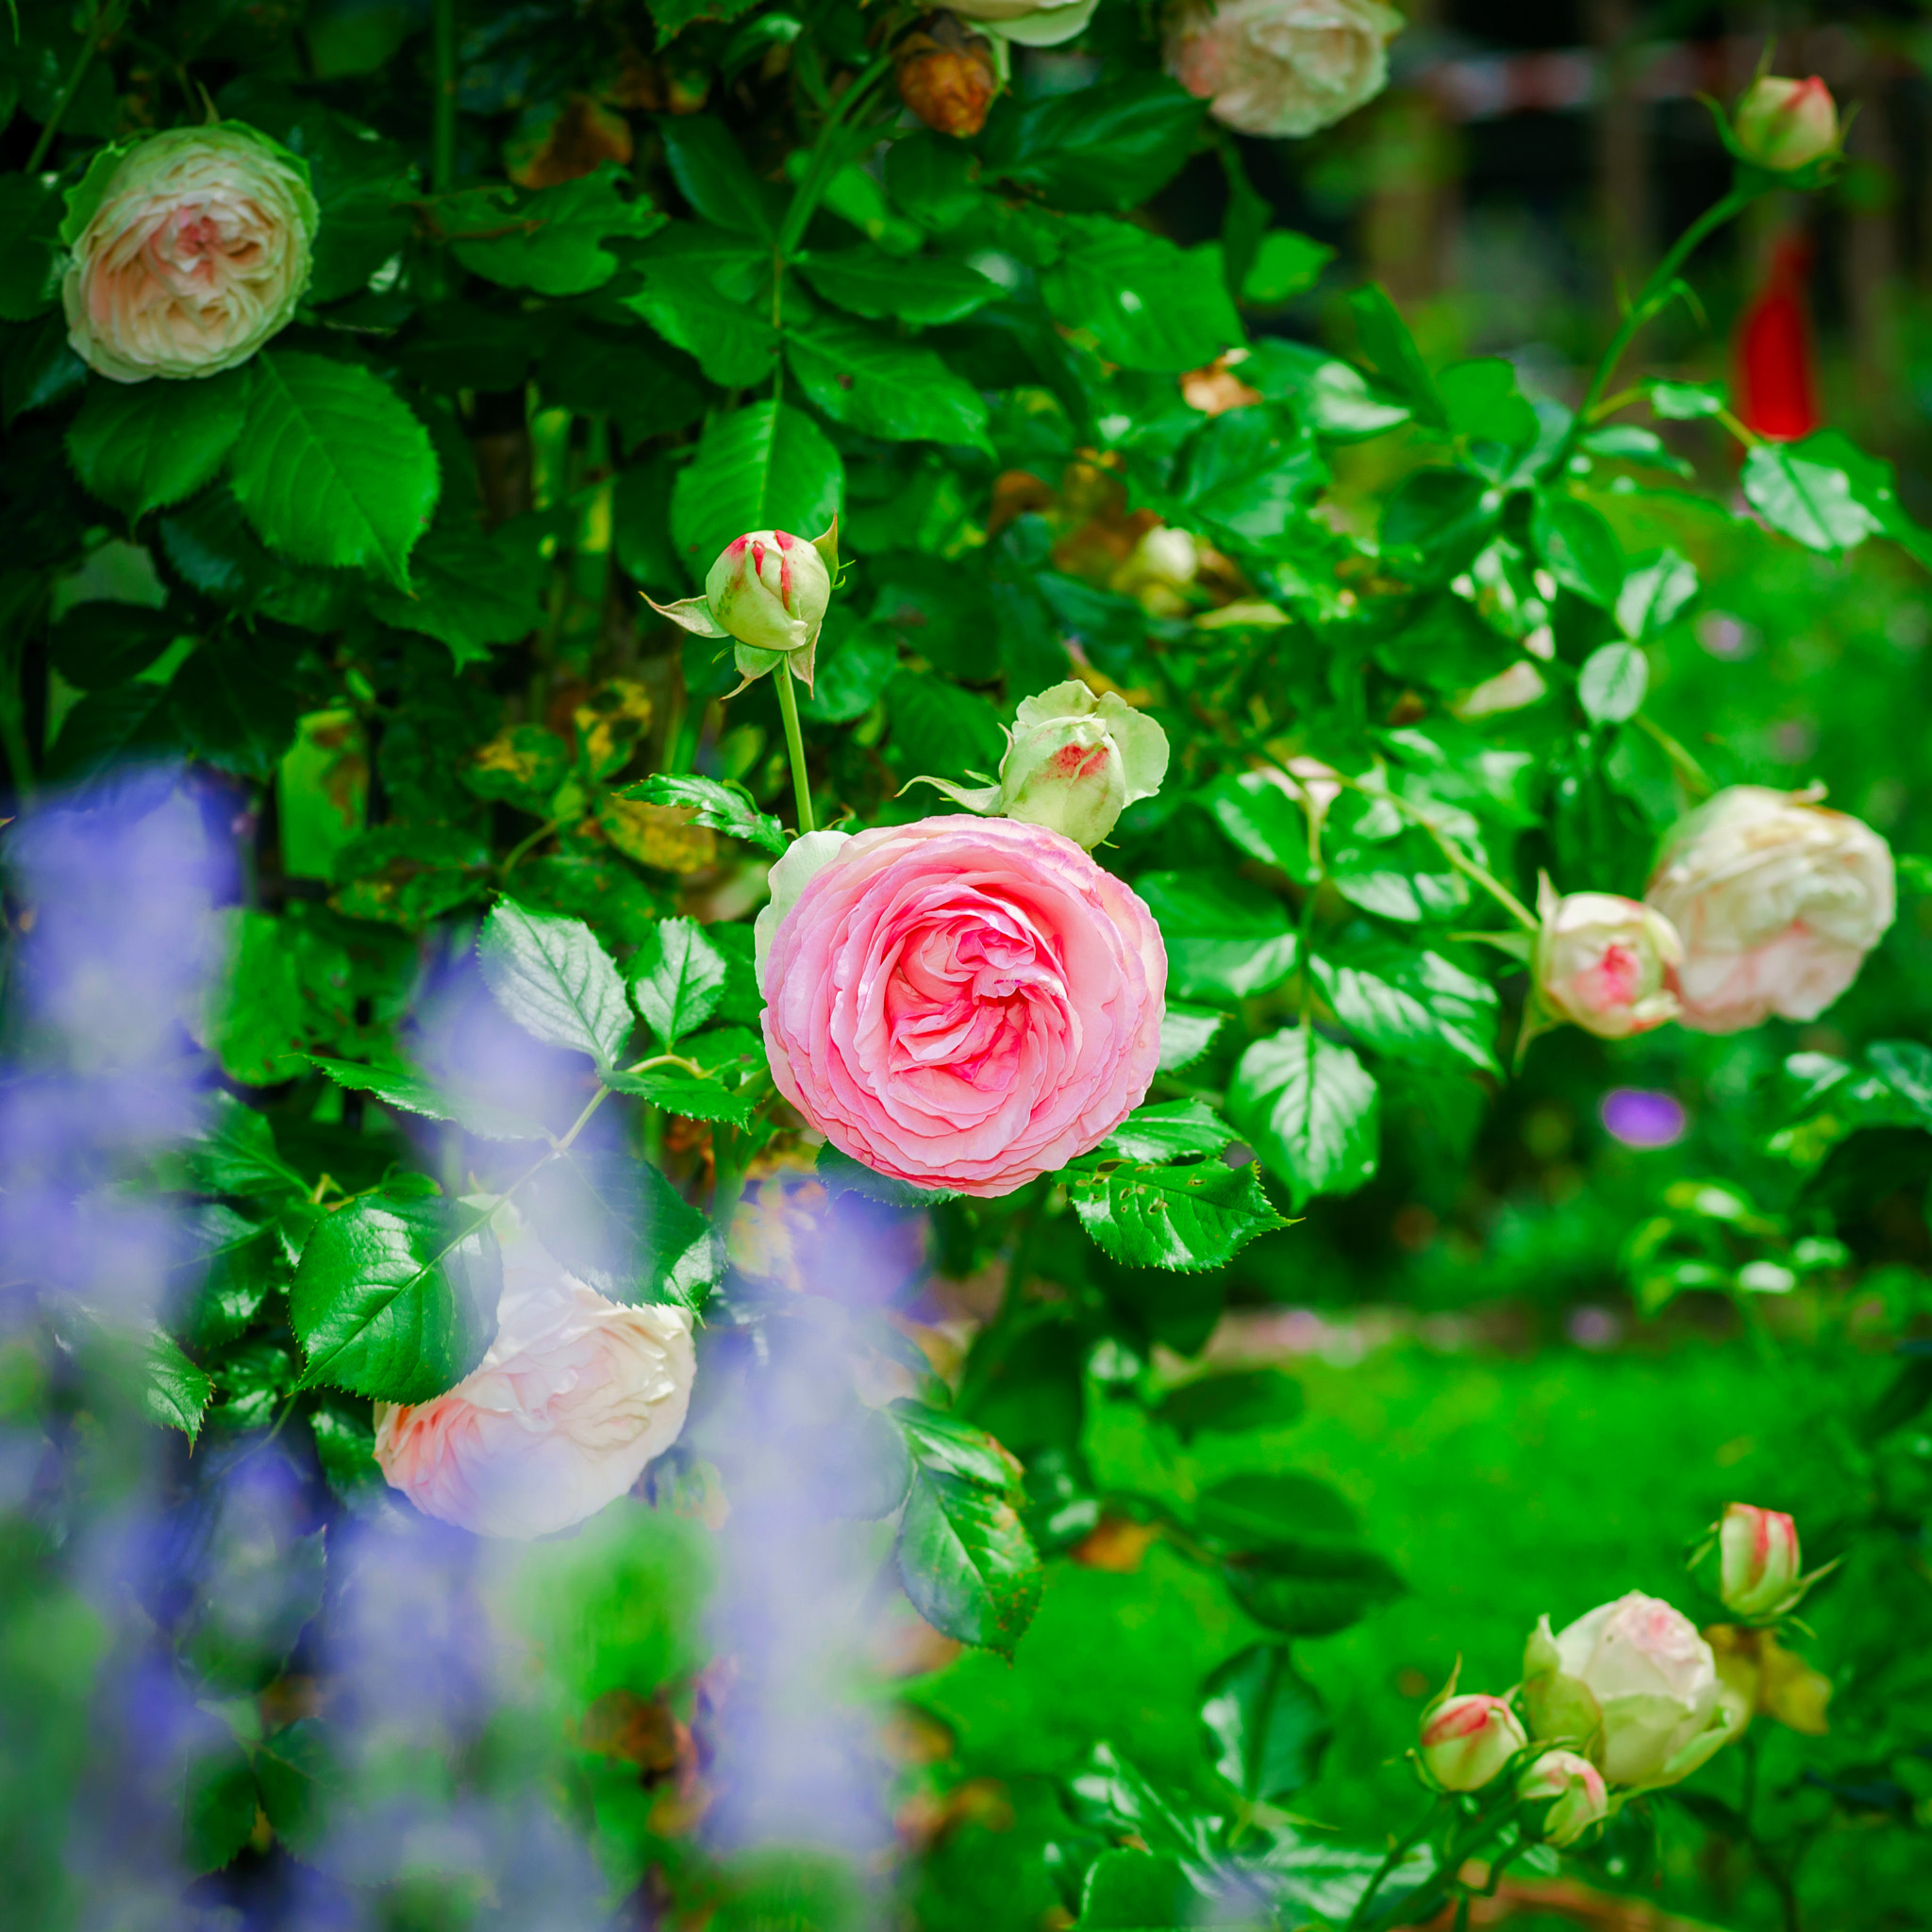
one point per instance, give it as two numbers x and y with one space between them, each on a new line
524 846
1648 304
106 20
794 746
442 141
1467 867
1398 1850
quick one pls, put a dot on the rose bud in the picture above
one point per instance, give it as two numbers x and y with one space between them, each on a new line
1576 1787
1634 1684
1603 962
1467 1741
770 589
1757 1554
947 78
1786 124
1281 67
1030 23
190 256
1777 901
1074 763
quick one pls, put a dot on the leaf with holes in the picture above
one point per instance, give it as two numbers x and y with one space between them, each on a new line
331 468
396 1298
555 980
1199 1215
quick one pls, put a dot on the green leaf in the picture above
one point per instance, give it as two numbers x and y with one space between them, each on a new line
684 1093
29 270
726 808
331 468
1108 146
234 707
1484 404
1580 548
1389 349
554 239
1688 402
1309 1110
1416 1005
404 1087
966 1561
1186 1218
677 979
1171 1131
713 175
141 446
1313 1590
1148 304
1136 1891
766 467
1611 684
396 1298
939 729
1225 938
842 1174
555 980
1262 1508
217 1807
1247 471
921 292
1233 1403
1286 265
235 1152
734 345
618 1223
1266 1722
862 377
471 592
298 1775
1437 519
345 1436
1334 399
852 676
175 1393
942 1442
1186 1033
1654 593
1808 494
1266 819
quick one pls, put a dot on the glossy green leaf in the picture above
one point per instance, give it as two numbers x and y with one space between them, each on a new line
735 345
1186 1033
676 977
175 1393
966 1561
1136 1891
726 808
1248 471
1805 498
1286 264
1189 1217
1653 594
141 446
469 592
1149 304
404 1087
879 386
396 1298
1413 1004
1579 547
331 468
1312 1111
1611 684
1267 1724
1097 147
1391 350
618 1223
553 242
1264 815
765 467
554 978
942 1442
1225 938
1172 1130
712 172
925 289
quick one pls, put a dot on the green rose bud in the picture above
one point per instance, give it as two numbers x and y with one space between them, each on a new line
770 589
1786 124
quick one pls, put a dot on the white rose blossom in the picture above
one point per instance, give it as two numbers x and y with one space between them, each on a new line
1281 67
195 254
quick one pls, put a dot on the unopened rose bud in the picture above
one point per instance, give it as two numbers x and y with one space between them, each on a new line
770 589
1467 1741
1573 1789
947 78
1604 963
1786 124
1758 1553
1074 763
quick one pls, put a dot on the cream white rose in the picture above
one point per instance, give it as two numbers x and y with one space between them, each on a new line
1031 23
1776 900
1603 962
1281 67
194 255
1634 1685
576 1395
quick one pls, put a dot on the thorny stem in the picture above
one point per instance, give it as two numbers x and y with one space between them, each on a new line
794 746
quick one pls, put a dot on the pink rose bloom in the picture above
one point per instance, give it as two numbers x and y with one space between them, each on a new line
1576 1787
574 1397
1759 1569
960 1003
1778 902
1281 67
1604 964
193 256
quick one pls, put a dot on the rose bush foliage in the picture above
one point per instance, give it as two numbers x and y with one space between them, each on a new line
520 491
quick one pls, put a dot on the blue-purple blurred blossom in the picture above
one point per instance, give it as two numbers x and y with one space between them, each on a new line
1640 1117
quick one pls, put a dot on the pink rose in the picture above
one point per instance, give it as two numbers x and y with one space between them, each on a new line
1576 1787
1603 962
1281 67
194 255
1759 1569
960 1003
1467 1741
1778 902
574 1397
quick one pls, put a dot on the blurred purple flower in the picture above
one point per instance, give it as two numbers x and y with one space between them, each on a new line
1642 1118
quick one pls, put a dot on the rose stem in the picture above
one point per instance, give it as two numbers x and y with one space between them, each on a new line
795 745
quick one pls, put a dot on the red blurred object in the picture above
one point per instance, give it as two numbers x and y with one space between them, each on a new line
1777 389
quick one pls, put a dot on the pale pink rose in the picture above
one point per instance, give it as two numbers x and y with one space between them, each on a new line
1467 1741
575 1396
961 1003
1281 67
1603 962
1776 900
1576 1787
195 254
1758 1561
1635 1684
